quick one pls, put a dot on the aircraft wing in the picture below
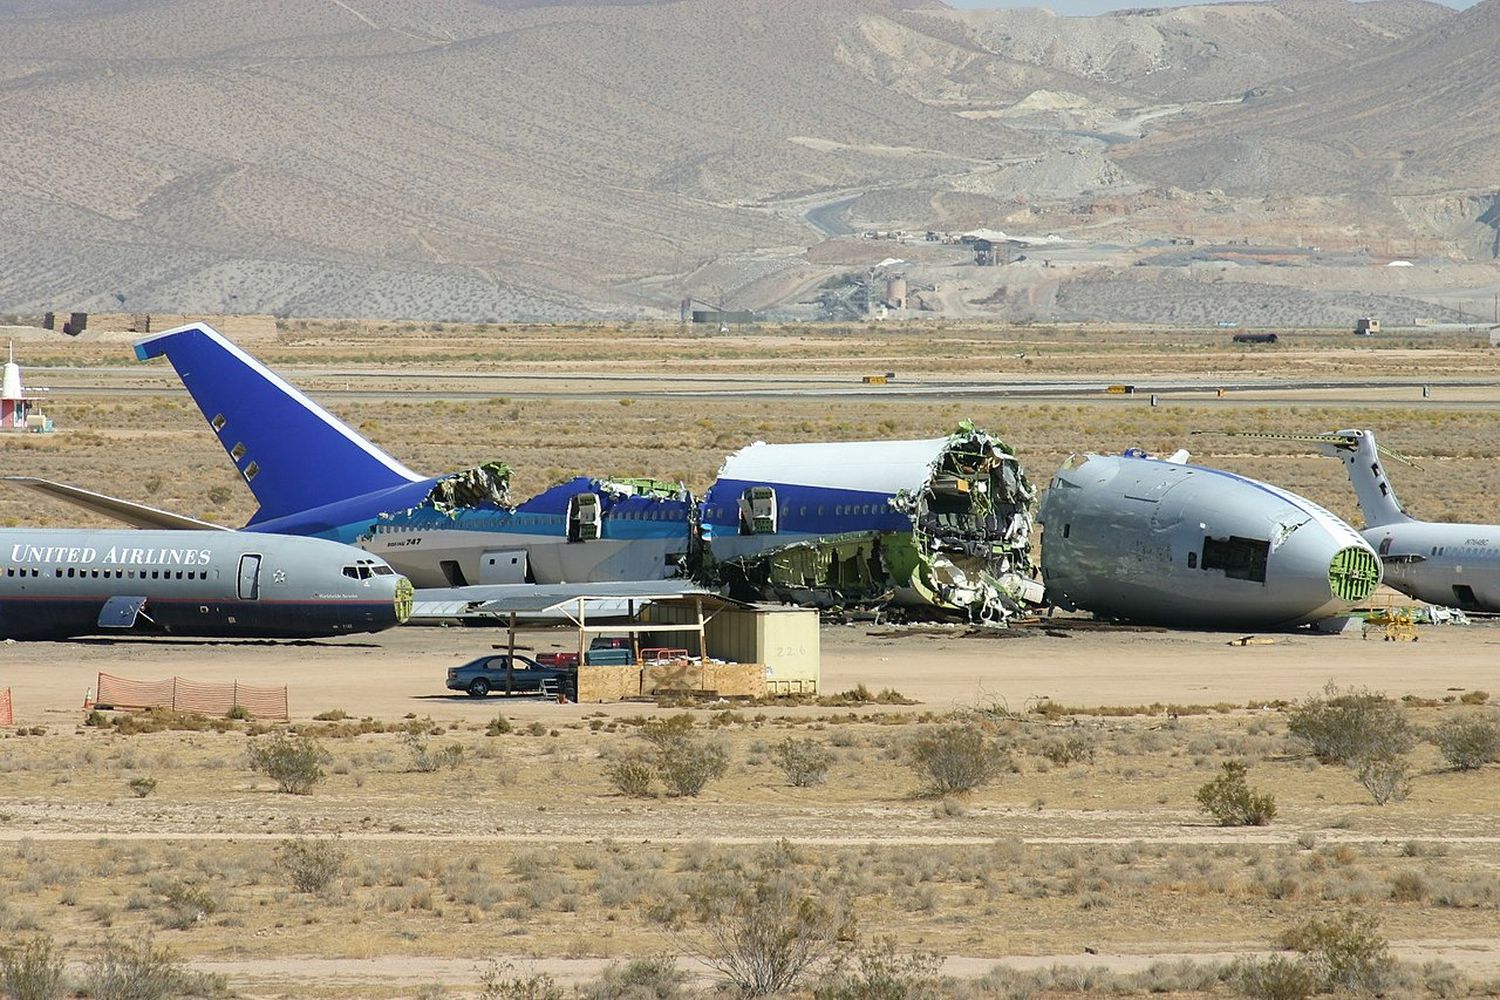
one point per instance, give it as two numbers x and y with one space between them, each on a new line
137 515
555 602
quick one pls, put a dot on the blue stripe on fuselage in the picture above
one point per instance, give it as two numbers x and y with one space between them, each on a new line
625 517
805 510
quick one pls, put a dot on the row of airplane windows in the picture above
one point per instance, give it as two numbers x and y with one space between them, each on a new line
839 510
713 513
110 574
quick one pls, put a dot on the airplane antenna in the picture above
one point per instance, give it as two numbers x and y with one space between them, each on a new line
1343 441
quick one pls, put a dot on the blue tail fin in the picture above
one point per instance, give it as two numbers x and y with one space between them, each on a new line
294 454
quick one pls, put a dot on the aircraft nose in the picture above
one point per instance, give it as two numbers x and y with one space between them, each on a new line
1325 571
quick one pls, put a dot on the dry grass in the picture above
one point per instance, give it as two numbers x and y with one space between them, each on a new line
177 464
436 858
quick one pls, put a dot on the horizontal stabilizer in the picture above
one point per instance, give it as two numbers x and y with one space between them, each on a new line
294 454
121 612
137 515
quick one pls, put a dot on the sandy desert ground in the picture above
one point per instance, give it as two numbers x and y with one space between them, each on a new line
1086 852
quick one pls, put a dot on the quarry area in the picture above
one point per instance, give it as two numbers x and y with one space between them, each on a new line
1285 164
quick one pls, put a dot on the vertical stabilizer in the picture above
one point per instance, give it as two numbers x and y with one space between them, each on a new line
1377 498
294 454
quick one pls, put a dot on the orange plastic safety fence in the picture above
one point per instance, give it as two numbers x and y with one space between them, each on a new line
184 695
7 718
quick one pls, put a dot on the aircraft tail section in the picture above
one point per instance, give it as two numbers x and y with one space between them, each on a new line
1361 455
1377 498
293 454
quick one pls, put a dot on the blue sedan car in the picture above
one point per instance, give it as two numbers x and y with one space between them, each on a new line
488 673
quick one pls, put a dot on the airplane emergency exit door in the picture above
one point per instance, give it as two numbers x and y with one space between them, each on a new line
250 577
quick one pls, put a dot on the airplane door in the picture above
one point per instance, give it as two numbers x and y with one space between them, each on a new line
250 577
583 517
758 511
502 566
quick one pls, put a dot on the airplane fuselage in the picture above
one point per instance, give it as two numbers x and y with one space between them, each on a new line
538 541
1452 565
57 583
1153 541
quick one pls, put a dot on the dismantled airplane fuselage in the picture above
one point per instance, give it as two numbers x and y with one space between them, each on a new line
465 531
940 523
943 523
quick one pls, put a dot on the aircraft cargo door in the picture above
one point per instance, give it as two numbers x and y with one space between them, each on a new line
502 566
250 577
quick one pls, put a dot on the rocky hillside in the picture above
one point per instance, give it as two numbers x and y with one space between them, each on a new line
531 160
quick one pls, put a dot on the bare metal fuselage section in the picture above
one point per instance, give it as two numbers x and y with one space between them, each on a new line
1145 540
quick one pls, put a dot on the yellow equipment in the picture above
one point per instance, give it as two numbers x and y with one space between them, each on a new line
1395 624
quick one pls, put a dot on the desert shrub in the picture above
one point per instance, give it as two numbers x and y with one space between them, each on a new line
1468 741
501 981
187 904
142 971
295 763
239 713
661 733
955 759
31 970
1275 978
1344 953
690 765
311 865
684 762
1386 778
142 787
332 715
804 761
1474 697
1347 726
632 774
881 972
499 726
1231 801
1070 749
655 977
427 760
763 934
1409 887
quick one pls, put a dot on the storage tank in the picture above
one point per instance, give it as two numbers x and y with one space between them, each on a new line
895 291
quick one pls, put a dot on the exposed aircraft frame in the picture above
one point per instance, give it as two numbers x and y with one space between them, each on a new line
943 523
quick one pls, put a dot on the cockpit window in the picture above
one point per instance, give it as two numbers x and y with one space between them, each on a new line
384 571
357 572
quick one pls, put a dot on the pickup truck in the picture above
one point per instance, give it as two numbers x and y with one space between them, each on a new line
480 676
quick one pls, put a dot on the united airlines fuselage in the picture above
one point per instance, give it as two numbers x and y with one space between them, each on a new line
56 583
1152 541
